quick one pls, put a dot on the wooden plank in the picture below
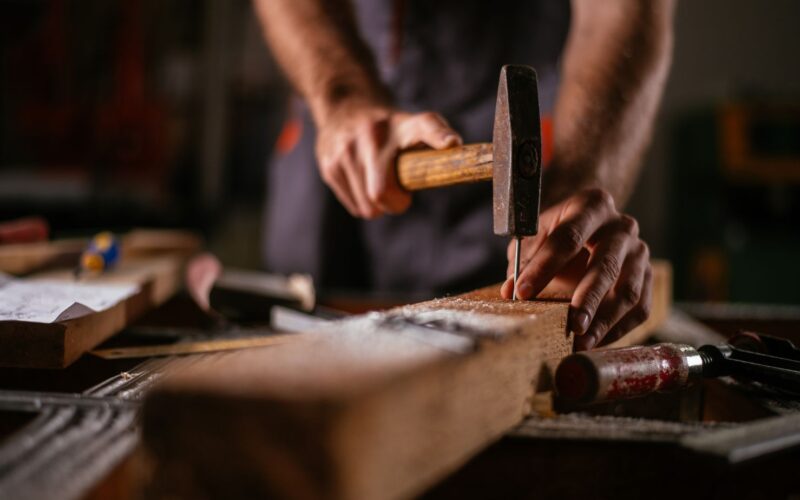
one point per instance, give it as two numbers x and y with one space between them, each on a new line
58 344
371 407
150 242
24 258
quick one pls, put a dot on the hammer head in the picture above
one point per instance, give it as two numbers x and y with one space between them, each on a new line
517 148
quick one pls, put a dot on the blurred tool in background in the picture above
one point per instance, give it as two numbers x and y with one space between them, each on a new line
101 254
736 202
24 230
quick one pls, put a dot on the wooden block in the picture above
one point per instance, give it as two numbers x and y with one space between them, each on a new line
151 242
56 345
24 258
372 407
378 406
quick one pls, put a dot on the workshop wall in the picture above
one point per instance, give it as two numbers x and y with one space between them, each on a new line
137 113
727 53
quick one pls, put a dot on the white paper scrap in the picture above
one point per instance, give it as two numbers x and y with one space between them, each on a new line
46 301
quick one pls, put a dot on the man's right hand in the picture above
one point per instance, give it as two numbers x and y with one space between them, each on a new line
357 151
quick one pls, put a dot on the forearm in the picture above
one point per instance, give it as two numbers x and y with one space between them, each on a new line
615 66
317 44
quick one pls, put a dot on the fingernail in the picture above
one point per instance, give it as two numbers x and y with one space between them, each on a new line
580 322
585 342
590 341
524 290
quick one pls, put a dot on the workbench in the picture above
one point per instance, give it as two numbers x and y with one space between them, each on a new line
74 433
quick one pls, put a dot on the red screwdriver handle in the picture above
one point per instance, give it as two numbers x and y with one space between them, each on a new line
609 374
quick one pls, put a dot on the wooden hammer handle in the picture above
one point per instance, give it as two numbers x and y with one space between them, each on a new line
435 168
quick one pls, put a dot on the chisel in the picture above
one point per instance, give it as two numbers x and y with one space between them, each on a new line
629 372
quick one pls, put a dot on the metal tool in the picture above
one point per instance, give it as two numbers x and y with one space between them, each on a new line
512 160
604 375
73 441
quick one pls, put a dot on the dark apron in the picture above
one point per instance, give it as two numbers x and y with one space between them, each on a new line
440 55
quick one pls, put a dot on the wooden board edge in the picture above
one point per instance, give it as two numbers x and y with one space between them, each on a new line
23 258
44 341
59 344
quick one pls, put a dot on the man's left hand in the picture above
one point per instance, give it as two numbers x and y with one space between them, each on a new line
585 244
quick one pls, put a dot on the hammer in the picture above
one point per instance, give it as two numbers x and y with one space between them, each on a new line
512 161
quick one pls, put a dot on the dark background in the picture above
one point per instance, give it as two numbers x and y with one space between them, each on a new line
118 114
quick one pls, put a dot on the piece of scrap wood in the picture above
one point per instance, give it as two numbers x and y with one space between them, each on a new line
58 344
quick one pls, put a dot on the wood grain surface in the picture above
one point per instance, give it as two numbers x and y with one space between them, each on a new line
24 258
377 406
436 168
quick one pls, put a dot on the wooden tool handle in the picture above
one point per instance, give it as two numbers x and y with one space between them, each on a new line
435 168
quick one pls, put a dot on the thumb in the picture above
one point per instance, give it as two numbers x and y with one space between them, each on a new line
430 129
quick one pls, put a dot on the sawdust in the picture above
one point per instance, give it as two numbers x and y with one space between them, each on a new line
477 321
486 302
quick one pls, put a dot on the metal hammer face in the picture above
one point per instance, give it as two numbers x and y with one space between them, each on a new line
517 148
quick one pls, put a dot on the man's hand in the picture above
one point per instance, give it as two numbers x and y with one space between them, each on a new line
318 45
357 150
585 244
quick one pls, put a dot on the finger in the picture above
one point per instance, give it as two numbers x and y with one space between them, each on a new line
559 248
575 224
377 152
354 172
510 268
624 296
604 268
506 291
201 274
635 316
336 179
426 128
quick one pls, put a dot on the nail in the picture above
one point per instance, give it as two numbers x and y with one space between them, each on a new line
580 322
524 290
588 341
